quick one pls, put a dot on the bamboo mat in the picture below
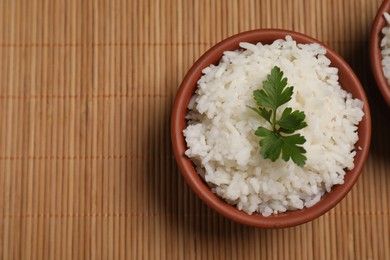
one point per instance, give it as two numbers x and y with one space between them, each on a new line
86 164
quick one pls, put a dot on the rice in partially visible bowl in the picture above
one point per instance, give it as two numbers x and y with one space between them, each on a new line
380 50
385 47
220 134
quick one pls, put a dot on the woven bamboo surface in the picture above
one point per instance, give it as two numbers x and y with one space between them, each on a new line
86 164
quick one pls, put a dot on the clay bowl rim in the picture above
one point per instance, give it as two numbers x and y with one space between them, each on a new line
375 51
178 123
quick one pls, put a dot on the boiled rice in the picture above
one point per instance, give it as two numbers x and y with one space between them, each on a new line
220 132
385 46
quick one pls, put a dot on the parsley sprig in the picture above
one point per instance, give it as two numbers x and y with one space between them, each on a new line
279 140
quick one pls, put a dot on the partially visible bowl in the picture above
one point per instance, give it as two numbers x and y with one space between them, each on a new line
375 51
348 81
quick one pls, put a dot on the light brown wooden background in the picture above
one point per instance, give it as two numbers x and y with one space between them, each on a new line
86 165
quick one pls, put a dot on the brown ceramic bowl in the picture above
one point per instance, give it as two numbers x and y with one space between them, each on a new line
348 81
375 51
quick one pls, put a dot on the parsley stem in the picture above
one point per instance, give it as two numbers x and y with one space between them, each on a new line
274 120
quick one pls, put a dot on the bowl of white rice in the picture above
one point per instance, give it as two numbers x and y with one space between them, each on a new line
218 152
380 50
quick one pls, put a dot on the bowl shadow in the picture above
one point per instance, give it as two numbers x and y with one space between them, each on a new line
359 59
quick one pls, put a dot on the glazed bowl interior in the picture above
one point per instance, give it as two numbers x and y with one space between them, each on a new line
348 81
375 51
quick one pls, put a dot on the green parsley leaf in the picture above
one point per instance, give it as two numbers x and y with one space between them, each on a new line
274 94
291 120
291 149
270 144
275 91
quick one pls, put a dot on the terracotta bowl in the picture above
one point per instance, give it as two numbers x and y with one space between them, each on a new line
375 51
348 81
